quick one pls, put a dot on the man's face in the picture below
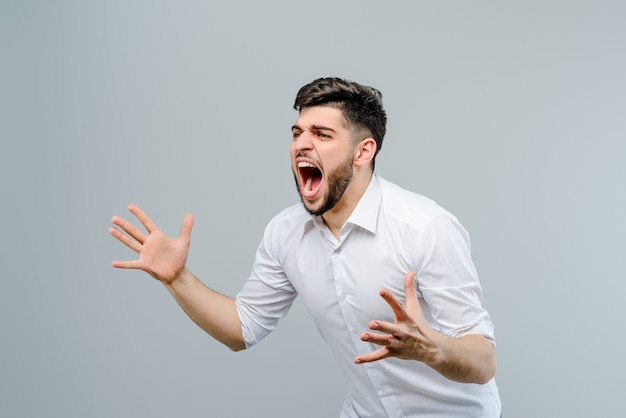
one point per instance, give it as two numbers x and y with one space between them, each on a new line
321 157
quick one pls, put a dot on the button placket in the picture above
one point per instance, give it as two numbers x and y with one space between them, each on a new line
352 326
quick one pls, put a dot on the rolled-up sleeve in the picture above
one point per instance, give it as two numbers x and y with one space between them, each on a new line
267 295
449 282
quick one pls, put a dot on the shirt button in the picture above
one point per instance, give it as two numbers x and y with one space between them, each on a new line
355 331
342 295
383 392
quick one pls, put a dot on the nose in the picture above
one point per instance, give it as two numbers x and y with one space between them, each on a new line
303 141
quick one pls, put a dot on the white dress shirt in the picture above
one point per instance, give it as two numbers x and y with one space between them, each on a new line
390 232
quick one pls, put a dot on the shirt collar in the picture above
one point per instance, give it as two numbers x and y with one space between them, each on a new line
365 214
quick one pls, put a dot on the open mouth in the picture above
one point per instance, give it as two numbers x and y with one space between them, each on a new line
311 179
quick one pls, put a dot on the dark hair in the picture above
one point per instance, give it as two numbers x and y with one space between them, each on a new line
362 106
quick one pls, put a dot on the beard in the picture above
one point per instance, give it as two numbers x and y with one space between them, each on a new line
337 182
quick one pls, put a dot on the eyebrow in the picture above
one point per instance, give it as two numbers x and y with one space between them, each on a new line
314 128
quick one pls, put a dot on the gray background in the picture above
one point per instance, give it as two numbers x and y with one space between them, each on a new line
509 114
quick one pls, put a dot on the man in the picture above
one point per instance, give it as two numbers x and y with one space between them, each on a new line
361 253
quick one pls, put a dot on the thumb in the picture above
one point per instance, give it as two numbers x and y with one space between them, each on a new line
185 231
412 304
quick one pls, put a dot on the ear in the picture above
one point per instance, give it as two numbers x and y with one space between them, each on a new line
364 152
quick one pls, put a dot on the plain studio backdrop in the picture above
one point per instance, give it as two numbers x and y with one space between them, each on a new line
509 114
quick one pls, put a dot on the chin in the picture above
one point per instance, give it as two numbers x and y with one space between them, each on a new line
313 209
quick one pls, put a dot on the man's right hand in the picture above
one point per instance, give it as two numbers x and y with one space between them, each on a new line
162 257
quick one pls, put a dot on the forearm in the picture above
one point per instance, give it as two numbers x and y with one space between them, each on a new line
469 359
213 312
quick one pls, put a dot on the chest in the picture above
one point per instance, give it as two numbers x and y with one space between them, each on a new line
340 279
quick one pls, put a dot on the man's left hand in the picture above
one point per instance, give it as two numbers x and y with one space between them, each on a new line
409 337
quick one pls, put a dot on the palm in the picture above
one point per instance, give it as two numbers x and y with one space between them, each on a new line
159 255
163 257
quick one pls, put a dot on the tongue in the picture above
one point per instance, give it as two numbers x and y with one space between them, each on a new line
312 185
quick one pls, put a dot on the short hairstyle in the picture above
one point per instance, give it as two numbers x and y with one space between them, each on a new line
361 106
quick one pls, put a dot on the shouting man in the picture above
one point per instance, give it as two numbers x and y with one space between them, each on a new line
385 273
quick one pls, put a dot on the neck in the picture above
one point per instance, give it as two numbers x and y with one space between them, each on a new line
338 215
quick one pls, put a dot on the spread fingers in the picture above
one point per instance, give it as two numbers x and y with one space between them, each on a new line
131 243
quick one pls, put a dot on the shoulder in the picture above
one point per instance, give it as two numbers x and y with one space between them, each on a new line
282 232
410 208
288 220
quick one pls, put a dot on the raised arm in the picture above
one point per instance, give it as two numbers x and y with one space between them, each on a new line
164 258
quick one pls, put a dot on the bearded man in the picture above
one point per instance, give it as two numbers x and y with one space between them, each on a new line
385 273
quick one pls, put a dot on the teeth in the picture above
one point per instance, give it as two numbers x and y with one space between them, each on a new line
305 164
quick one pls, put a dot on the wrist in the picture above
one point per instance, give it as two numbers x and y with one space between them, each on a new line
179 279
439 351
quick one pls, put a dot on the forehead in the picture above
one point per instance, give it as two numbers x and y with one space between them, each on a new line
321 116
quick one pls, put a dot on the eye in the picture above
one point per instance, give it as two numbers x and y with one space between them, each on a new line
323 136
295 134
